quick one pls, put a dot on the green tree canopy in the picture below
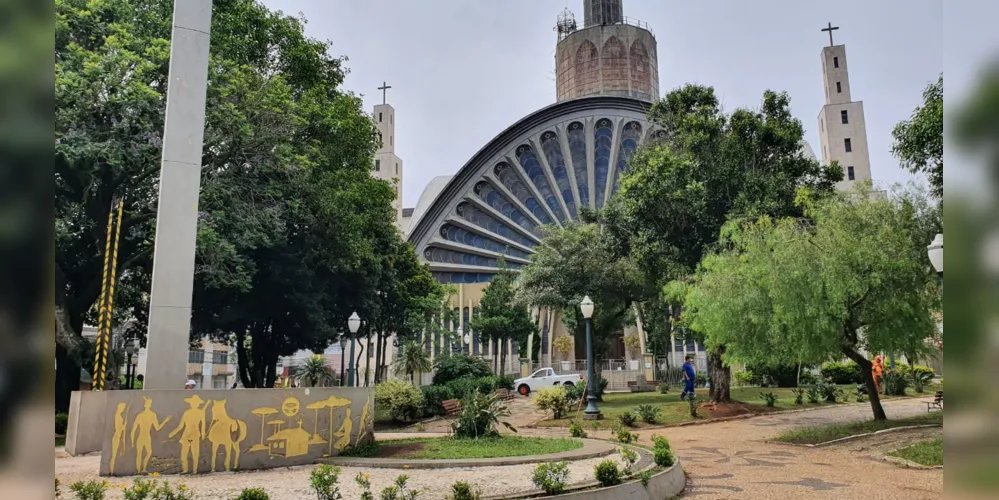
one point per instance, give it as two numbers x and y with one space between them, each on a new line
501 317
850 278
919 142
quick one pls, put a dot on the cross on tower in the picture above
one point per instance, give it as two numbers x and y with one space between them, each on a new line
830 29
384 88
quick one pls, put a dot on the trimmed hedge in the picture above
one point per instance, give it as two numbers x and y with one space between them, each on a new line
435 395
842 373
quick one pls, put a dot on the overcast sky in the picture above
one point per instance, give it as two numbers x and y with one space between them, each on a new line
462 71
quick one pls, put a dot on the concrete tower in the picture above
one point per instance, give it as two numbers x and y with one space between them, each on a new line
388 166
609 55
842 130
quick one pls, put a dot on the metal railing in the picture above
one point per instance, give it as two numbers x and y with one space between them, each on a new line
638 23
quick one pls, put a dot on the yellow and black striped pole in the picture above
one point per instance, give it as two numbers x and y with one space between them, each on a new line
107 298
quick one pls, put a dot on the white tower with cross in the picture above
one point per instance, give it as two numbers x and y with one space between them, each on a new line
842 130
388 166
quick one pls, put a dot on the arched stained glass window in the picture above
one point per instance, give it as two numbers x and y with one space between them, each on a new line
602 138
532 167
496 199
629 143
512 181
457 234
553 153
463 277
472 214
577 148
445 256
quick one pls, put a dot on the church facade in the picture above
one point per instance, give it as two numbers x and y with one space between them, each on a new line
542 169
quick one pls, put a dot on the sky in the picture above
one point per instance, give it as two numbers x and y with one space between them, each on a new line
463 71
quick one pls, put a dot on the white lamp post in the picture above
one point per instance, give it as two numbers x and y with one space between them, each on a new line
461 338
591 412
935 251
354 324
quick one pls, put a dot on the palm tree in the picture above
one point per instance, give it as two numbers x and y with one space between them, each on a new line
315 371
412 358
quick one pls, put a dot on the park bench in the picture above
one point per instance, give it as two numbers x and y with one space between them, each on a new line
936 403
505 394
451 407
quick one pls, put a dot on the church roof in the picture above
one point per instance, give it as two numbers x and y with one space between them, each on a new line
430 193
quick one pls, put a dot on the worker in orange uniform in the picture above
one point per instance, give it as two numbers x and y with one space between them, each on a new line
878 370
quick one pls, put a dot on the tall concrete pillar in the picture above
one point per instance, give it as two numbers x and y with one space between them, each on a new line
180 182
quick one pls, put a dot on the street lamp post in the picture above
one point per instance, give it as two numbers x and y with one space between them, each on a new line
129 352
468 344
343 346
461 339
935 252
354 324
591 412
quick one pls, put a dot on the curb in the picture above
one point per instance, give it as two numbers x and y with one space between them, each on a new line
858 436
592 448
909 464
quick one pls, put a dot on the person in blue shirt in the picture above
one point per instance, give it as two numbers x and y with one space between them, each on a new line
688 377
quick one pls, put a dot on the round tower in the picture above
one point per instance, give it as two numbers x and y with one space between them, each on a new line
609 55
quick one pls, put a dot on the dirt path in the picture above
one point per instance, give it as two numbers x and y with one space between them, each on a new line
728 460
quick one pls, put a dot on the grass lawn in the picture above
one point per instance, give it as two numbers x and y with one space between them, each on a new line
60 440
450 448
823 433
675 411
929 452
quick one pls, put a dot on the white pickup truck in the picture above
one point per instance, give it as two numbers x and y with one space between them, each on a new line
545 377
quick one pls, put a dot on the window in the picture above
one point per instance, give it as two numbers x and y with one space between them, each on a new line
844 116
391 119
218 383
220 357
849 173
847 145
196 356
835 62
391 140
822 125
839 87
379 117
396 169
825 153
378 165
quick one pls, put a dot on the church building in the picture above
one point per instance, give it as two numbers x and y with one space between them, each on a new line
542 169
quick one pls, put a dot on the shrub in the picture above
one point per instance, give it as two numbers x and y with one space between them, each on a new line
630 457
574 393
576 430
774 376
364 482
152 490
624 435
895 383
744 378
601 388
842 373
139 490
663 388
662 453
799 395
403 400
434 397
607 473
551 477
700 380
692 401
648 412
645 476
924 369
807 378
57 492
814 396
253 494
323 480
90 490
479 416
769 398
398 490
464 491
61 423
448 368
861 394
627 419
553 399
919 378
462 387
830 393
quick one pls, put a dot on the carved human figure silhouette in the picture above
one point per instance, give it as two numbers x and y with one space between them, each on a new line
220 434
344 433
363 423
142 434
118 439
192 423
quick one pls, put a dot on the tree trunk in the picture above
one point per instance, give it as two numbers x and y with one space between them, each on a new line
502 370
67 378
367 359
378 356
720 376
68 341
384 364
872 389
357 365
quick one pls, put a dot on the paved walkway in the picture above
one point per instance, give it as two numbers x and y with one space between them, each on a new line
728 460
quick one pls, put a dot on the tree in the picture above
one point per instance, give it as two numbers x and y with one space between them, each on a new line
315 371
501 317
851 277
574 262
919 143
704 168
413 358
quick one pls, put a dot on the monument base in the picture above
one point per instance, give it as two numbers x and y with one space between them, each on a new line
593 416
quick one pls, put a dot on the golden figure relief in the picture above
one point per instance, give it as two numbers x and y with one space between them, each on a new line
118 439
290 442
332 403
220 434
262 413
290 407
192 423
365 414
142 428
344 433
316 438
